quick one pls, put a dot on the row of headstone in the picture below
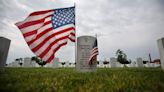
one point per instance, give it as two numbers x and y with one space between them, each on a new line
27 62
118 65
113 63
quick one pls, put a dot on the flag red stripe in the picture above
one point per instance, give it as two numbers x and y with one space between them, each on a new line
31 23
73 34
37 47
56 49
40 12
50 58
49 37
49 47
92 55
39 35
72 39
42 33
95 51
46 23
30 33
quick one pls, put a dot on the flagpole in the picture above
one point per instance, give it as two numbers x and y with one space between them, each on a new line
75 37
96 36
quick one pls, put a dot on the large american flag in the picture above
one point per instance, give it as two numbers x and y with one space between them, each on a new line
46 31
93 53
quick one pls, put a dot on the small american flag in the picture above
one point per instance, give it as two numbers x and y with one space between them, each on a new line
93 53
46 31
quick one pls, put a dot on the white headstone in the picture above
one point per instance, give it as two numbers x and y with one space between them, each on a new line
151 64
133 64
67 63
161 51
56 63
53 64
113 62
4 48
118 64
49 64
140 62
156 65
84 46
15 64
148 64
28 62
101 64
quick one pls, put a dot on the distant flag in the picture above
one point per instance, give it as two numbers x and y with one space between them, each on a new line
93 53
46 31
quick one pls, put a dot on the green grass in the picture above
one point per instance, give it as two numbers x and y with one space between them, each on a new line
68 80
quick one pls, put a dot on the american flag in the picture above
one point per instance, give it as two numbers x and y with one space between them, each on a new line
46 31
93 53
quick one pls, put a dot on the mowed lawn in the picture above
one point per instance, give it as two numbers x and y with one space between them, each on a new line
69 80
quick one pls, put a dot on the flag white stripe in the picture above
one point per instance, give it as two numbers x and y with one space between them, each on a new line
35 18
46 57
34 27
29 38
72 37
63 34
47 19
63 27
44 47
94 51
31 28
35 43
45 27
94 54
40 30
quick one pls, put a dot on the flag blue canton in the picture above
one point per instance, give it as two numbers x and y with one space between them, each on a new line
63 17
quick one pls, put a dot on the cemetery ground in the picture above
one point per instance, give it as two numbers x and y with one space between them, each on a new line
69 80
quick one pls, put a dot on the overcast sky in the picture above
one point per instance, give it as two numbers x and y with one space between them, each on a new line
131 25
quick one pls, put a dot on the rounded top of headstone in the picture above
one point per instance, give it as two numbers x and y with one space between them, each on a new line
4 38
86 37
86 40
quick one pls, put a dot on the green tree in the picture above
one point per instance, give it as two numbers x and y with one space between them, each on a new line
39 61
121 57
63 63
